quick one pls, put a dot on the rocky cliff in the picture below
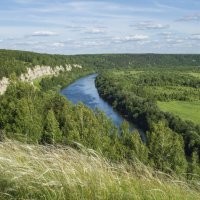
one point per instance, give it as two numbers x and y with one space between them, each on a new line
37 72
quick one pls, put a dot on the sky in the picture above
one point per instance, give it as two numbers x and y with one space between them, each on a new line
95 26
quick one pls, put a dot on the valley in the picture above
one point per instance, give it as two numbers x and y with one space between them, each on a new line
128 116
99 100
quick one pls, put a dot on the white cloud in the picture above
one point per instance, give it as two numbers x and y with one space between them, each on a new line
93 43
28 43
195 37
58 44
87 28
179 41
166 34
40 44
191 17
86 42
44 33
25 1
149 25
100 6
131 38
11 38
96 31
92 25
176 41
73 27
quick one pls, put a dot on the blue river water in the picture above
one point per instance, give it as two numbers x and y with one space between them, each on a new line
84 90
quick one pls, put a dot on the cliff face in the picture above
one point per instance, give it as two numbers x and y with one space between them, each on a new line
3 85
37 72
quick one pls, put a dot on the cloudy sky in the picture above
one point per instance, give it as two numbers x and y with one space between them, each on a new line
95 26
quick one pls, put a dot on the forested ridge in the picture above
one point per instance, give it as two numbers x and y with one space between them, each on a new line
12 61
37 114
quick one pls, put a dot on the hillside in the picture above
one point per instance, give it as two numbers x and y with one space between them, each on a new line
38 172
18 61
49 160
30 65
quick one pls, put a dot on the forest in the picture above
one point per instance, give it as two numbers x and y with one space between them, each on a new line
12 61
137 86
33 114
135 94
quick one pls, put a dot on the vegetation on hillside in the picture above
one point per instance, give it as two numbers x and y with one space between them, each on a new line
38 116
49 172
17 61
35 116
135 95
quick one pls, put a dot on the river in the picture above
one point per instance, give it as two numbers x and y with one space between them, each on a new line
84 90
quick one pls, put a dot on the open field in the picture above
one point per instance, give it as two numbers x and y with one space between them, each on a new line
186 110
195 74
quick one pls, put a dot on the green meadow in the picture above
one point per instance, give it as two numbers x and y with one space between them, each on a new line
185 109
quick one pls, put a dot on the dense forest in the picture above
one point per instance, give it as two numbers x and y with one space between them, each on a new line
133 84
45 117
135 95
34 116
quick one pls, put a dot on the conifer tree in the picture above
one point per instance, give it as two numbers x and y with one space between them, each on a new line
28 121
137 149
52 132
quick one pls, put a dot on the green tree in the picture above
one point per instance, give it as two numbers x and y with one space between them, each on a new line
52 133
124 131
28 121
166 150
194 166
137 149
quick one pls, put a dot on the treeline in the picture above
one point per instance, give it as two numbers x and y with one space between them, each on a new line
17 62
166 86
145 112
154 60
153 78
12 61
160 85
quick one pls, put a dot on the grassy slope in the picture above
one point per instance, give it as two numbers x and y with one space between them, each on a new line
38 172
186 110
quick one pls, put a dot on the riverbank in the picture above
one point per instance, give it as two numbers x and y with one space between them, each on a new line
62 80
84 90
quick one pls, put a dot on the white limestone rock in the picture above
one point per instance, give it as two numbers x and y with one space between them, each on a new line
37 72
4 82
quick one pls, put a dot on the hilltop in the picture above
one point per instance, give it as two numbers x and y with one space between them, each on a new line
38 172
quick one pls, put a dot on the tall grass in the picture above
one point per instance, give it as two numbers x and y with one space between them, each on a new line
38 172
